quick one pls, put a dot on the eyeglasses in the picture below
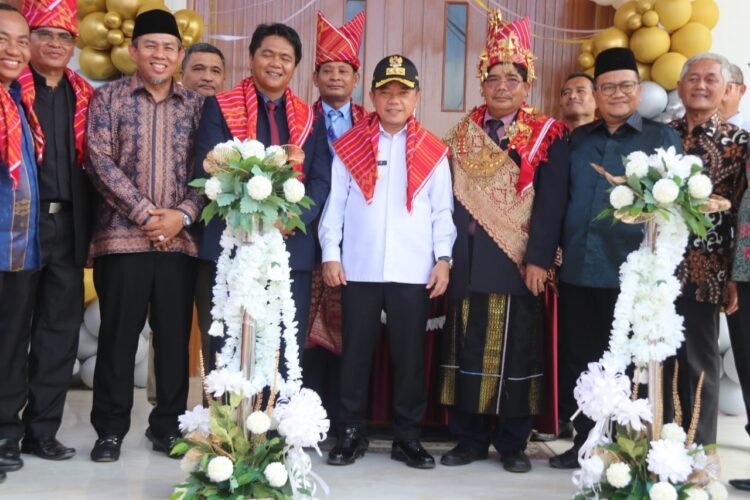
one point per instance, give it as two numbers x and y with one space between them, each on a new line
510 84
626 88
47 36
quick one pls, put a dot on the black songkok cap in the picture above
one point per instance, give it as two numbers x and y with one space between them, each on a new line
613 60
395 68
156 21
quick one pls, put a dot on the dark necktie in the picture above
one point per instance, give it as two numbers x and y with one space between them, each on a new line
494 127
271 108
333 115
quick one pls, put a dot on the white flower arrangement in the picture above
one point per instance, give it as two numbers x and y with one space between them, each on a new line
700 186
662 491
258 422
637 164
220 469
665 191
621 196
618 474
717 491
276 474
259 187
212 188
294 190
696 493
673 432
196 420
669 460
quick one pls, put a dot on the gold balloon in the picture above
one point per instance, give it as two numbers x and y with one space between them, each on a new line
587 46
705 12
644 6
590 71
115 37
644 70
609 38
187 41
635 22
93 31
86 7
673 14
127 27
127 8
666 70
112 20
691 39
194 26
152 5
96 64
650 18
183 20
586 60
122 60
648 44
89 291
623 13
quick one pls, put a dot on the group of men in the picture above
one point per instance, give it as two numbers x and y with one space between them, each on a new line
401 217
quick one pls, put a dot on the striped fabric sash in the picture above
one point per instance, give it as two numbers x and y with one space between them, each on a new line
358 112
83 92
358 150
11 133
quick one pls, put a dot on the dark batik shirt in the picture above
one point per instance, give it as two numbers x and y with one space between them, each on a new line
140 157
723 149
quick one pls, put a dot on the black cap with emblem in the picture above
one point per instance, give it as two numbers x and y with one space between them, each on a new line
395 68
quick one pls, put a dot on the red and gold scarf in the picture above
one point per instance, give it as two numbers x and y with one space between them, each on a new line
11 132
83 92
358 112
240 109
423 152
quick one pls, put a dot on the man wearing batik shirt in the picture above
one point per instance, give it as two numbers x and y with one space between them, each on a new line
140 142
510 170
706 268
61 98
336 76
386 233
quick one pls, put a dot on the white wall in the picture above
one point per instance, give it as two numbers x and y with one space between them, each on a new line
732 39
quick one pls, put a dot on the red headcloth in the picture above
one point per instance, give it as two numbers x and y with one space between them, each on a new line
339 44
507 42
61 14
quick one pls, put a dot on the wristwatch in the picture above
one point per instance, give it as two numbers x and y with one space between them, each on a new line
186 219
447 259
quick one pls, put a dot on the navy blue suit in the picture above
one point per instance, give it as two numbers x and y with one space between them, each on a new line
213 130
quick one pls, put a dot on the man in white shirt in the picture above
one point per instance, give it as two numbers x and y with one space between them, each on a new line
730 103
387 234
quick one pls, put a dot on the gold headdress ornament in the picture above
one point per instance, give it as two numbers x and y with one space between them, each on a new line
507 42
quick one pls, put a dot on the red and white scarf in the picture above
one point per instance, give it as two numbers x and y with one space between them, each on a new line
11 132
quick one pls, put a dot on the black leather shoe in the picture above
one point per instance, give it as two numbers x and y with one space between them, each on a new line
106 449
48 448
566 460
10 455
516 461
413 454
162 444
462 455
349 448
3 475
740 484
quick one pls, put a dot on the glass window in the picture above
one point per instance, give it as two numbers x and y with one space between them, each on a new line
454 57
354 7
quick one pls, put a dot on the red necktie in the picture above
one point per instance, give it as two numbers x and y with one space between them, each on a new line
271 107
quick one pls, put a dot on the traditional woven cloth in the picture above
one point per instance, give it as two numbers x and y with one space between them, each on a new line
339 44
11 133
358 150
507 42
62 14
83 92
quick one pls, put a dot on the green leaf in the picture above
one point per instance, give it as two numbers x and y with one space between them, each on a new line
225 199
209 211
180 447
634 183
654 174
199 183
627 446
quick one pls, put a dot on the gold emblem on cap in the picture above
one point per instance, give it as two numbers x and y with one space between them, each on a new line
396 68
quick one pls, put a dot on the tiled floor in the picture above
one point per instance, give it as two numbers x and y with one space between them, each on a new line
143 474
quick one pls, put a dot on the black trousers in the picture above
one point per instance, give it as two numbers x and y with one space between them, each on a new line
699 353
407 307
739 332
40 316
585 322
477 431
130 287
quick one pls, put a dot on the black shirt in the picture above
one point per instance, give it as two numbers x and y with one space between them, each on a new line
55 107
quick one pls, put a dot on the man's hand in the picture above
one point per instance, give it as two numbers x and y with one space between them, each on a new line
286 233
535 278
439 277
731 301
164 224
333 274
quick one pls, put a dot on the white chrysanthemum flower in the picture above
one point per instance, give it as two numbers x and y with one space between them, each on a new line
276 474
696 493
276 155
592 469
662 491
600 390
717 490
621 196
673 432
618 475
276 273
212 188
665 191
219 382
636 164
259 187
294 190
633 413
219 469
683 166
302 419
258 422
250 148
670 461
216 329
196 420
700 186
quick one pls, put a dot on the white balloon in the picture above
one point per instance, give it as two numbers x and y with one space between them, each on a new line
140 375
653 100
730 367
142 352
730 397
76 367
724 341
87 372
87 343
92 317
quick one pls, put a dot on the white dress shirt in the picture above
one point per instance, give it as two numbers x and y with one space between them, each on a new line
739 120
382 241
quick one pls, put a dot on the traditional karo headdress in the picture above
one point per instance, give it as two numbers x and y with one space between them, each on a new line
339 44
61 14
507 42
